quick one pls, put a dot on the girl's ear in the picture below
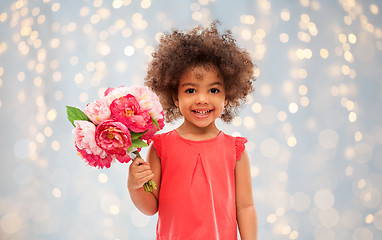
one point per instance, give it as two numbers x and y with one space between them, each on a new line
175 100
225 102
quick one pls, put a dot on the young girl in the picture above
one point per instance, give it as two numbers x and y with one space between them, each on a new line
203 175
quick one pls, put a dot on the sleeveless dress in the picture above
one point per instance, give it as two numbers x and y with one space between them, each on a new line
197 191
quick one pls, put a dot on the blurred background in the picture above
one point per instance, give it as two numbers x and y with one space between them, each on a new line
313 124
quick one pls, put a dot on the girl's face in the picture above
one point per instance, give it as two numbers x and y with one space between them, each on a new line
201 96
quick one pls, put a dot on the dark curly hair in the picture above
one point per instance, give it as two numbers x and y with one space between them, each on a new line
179 50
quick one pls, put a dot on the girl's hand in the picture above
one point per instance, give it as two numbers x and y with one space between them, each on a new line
139 173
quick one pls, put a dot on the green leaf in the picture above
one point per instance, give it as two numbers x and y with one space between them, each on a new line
76 114
155 122
135 135
138 143
130 148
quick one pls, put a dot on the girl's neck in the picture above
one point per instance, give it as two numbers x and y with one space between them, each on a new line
196 133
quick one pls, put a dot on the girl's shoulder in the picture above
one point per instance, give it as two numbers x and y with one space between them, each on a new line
159 138
239 143
237 139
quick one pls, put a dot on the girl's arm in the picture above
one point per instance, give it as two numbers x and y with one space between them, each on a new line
141 172
245 208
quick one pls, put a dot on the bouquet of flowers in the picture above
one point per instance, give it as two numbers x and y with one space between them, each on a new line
117 126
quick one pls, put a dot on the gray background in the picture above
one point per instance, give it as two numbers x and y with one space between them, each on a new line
313 124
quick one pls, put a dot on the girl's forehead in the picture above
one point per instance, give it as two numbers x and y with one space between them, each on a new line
202 72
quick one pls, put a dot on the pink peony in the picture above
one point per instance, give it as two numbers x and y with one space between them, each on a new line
127 111
95 160
113 137
148 101
108 90
123 159
113 93
153 129
98 111
85 138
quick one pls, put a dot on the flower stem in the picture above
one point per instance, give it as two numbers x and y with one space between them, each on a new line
149 185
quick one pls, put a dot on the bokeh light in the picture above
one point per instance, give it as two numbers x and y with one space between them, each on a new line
313 124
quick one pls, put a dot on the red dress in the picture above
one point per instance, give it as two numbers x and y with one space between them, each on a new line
197 191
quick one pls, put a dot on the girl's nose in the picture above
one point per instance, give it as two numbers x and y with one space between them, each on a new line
202 98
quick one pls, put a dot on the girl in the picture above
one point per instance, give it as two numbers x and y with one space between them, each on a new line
203 176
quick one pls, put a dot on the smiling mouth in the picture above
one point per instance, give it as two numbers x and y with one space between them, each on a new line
202 112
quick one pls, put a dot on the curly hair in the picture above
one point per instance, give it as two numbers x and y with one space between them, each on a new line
179 50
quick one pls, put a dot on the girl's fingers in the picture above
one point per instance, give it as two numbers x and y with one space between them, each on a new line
139 182
138 161
146 179
141 168
140 175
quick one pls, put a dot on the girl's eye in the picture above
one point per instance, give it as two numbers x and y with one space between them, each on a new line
214 90
190 90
